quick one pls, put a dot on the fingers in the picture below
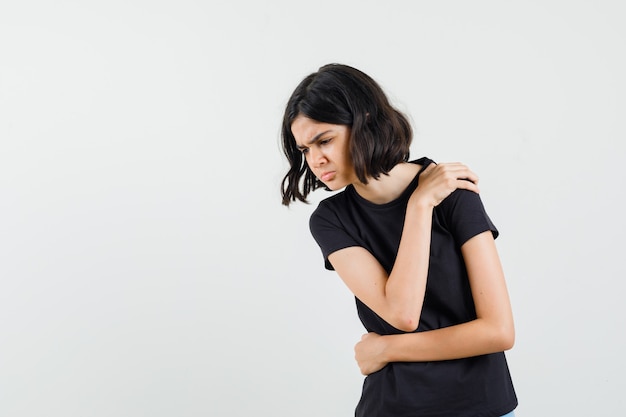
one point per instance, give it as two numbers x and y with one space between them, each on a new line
467 184
457 170
437 181
451 174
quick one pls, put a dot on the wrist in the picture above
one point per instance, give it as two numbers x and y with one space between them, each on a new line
420 202
387 349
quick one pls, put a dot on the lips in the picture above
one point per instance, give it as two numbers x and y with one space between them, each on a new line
327 176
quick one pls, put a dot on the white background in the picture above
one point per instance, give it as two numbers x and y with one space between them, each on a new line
147 267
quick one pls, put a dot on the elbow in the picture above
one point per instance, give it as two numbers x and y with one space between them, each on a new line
407 327
406 322
510 341
504 337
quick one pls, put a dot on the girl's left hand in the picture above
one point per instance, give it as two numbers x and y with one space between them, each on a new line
369 353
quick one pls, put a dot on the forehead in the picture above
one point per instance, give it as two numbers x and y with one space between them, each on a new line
306 130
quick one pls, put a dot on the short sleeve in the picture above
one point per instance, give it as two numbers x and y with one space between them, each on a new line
329 233
465 216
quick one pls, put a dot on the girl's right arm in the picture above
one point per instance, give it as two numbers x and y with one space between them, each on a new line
397 297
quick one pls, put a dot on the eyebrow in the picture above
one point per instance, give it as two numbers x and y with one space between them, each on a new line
313 140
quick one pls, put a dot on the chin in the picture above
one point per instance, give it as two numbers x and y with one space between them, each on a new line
334 186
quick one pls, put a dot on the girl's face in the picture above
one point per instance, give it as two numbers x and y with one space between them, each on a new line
326 150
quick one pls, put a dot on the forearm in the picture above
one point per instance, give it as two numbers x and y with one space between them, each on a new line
477 337
493 330
406 285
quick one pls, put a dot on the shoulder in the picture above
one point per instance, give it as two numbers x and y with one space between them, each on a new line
335 203
464 215
328 210
424 161
331 227
460 199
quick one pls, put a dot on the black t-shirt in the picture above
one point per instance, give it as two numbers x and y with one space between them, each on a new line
472 387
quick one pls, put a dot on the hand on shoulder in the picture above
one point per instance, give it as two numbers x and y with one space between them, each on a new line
438 181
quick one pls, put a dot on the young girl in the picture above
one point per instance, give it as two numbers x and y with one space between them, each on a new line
413 243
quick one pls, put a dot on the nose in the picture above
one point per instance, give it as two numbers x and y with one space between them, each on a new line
316 157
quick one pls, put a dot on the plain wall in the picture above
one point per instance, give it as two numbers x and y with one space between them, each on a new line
147 267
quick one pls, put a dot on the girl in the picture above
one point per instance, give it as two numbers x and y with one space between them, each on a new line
412 241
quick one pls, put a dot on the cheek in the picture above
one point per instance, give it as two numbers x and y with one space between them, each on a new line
347 159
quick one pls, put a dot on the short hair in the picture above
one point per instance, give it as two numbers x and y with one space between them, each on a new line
380 135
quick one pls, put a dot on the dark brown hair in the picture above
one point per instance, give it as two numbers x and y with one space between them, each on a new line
338 94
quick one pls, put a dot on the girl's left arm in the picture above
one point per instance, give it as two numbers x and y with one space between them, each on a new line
492 330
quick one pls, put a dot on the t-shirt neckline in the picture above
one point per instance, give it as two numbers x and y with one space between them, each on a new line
423 161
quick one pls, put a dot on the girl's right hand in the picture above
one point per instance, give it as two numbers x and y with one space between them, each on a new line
438 181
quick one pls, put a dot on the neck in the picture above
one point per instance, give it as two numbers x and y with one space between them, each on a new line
388 187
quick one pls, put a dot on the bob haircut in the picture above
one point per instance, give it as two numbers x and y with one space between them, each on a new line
380 136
